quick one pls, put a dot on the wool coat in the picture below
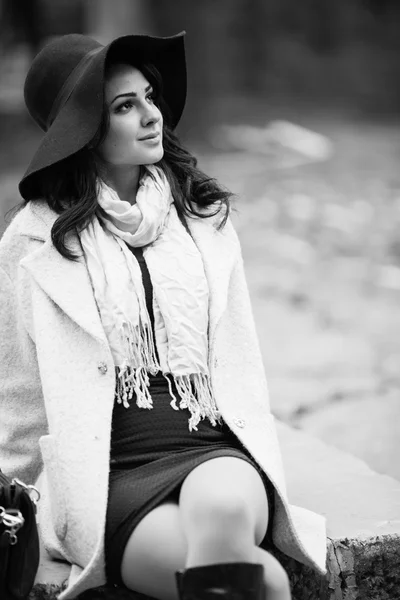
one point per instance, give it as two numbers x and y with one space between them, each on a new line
58 379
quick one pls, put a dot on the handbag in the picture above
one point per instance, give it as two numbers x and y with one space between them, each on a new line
19 539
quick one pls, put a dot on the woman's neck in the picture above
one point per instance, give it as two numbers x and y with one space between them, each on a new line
124 180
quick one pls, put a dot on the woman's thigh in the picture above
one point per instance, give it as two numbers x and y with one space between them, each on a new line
221 491
156 549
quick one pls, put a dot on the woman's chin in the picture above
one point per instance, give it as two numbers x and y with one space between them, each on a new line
155 157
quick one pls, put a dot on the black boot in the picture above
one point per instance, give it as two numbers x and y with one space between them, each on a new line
222 581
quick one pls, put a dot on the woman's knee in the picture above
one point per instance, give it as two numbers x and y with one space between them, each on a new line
224 497
219 513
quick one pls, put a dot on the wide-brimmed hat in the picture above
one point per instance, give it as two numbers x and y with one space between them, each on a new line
64 89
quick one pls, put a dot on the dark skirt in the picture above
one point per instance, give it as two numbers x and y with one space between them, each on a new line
152 452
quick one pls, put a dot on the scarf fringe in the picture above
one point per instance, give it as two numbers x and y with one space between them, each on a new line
194 391
139 341
130 382
199 401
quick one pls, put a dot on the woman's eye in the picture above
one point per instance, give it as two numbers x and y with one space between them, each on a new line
122 108
128 104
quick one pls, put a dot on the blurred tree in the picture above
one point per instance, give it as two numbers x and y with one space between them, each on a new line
320 51
106 20
381 7
22 21
324 25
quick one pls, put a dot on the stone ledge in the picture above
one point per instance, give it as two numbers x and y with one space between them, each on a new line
363 521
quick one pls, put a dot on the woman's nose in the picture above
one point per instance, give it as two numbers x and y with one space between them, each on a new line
152 114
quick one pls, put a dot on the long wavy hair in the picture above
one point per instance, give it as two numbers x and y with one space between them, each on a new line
70 185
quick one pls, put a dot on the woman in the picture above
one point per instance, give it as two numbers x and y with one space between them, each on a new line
129 344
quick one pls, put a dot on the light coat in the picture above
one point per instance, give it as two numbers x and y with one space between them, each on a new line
57 390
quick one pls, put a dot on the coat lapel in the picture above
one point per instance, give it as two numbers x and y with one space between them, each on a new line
66 282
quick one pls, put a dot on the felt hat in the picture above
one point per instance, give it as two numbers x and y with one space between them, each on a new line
64 89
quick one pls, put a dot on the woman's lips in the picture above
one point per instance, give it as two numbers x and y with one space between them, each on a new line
154 138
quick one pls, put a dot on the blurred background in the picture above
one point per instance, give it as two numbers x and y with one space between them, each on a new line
295 107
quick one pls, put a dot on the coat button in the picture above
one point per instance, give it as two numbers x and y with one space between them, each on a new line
215 362
239 422
102 367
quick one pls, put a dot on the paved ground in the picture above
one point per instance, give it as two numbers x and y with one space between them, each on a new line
322 251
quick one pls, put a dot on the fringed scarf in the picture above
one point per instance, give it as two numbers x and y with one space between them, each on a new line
180 297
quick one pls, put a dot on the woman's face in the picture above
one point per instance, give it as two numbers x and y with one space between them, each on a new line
135 132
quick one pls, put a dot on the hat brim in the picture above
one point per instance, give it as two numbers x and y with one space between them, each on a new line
79 119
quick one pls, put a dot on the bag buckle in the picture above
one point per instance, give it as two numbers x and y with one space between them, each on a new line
30 489
12 520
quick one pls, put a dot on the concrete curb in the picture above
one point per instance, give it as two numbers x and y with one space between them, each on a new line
366 569
357 570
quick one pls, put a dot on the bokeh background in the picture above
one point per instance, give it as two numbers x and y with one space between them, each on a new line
295 107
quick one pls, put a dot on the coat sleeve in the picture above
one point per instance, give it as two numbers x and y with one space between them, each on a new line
22 414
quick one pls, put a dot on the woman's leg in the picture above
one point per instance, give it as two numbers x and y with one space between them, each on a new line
275 576
156 549
224 510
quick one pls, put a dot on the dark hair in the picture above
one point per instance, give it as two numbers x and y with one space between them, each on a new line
70 186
